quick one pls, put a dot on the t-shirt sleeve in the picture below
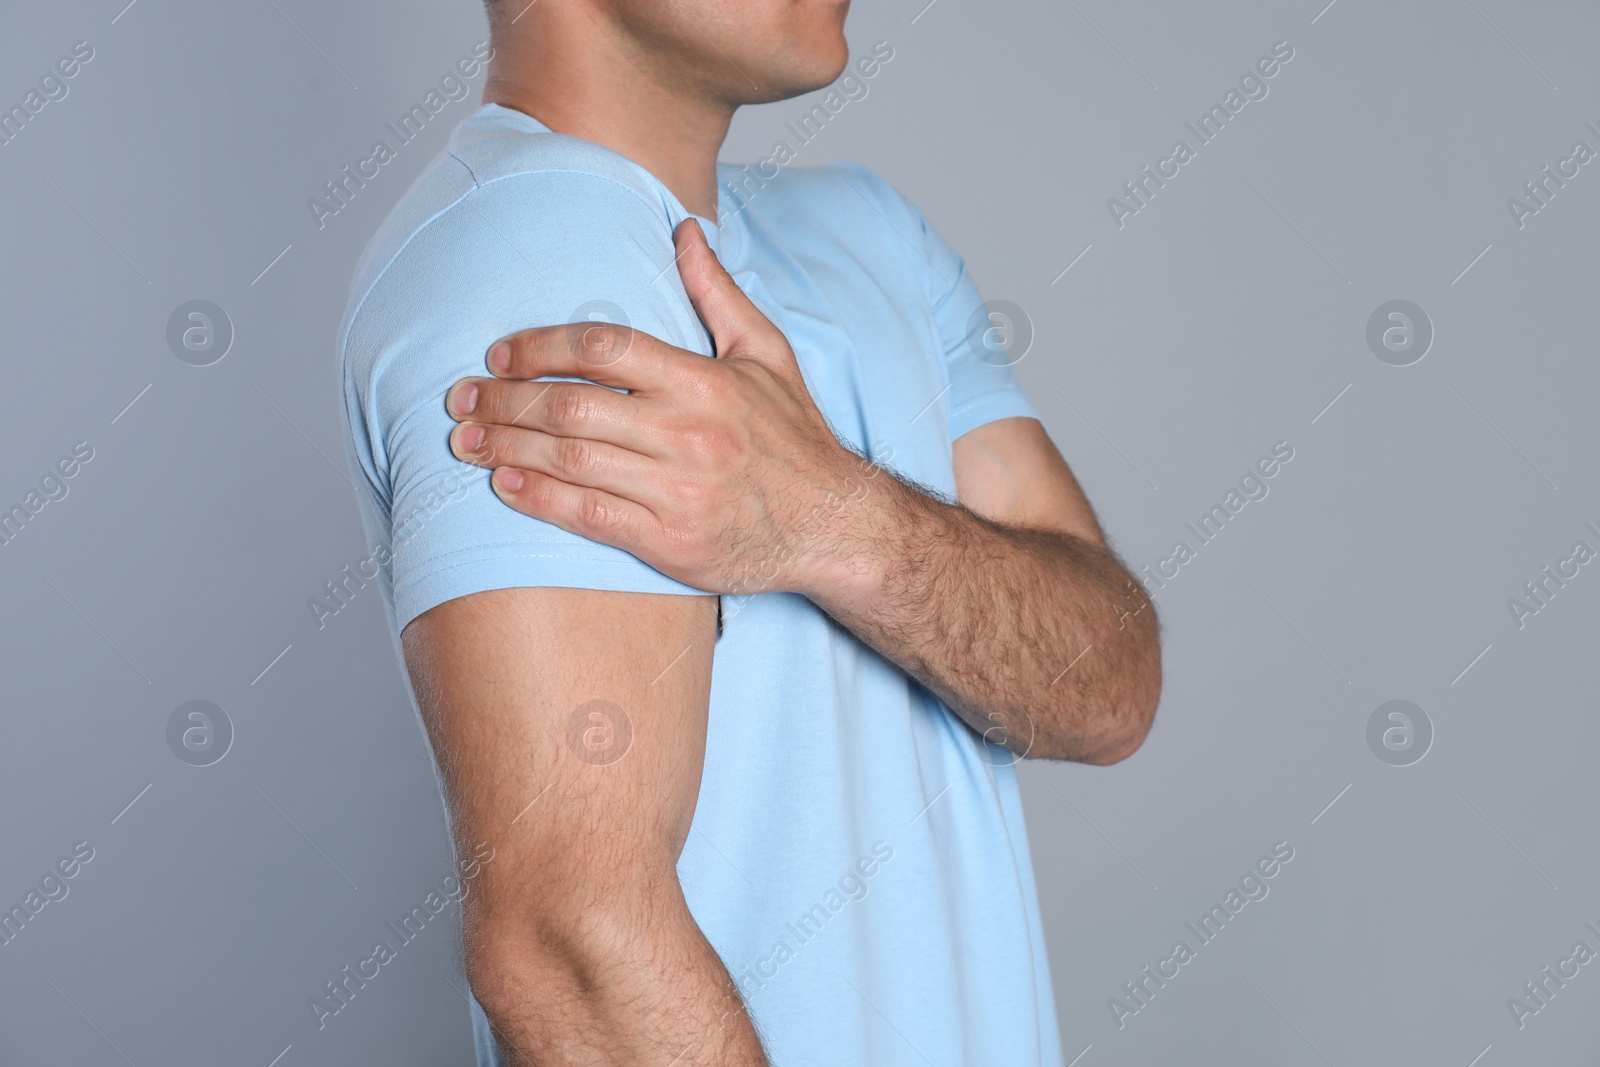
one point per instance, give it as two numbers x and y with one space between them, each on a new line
536 249
980 342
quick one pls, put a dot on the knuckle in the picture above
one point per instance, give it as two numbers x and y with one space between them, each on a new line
683 543
600 343
700 379
674 540
703 441
715 443
572 455
594 513
699 509
659 360
569 408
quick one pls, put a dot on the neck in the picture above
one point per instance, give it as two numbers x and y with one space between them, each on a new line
581 77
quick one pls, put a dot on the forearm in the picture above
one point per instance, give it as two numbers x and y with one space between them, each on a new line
1040 640
611 986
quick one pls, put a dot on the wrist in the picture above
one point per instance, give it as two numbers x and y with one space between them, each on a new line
881 531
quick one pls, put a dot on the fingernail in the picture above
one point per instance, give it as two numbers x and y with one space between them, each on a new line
464 398
508 480
500 357
469 438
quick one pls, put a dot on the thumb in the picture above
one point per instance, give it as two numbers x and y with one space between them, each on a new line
727 312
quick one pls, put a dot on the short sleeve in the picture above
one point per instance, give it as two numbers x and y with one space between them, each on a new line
533 249
980 343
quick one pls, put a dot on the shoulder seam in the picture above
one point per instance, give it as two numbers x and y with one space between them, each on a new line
355 312
361 304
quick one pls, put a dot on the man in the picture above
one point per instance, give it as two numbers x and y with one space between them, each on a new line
783 822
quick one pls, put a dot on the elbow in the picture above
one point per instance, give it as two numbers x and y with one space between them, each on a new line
542 971
1131 723
1114 731
1124 742
1118 735
1128 698
1134 715
513 964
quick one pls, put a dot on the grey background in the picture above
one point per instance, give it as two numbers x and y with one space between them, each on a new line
1224 317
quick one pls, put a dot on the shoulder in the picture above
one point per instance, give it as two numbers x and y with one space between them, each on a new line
844 212
507 229
838 196
504 189
497 144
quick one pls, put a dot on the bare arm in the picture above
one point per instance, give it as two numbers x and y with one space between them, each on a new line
580 946
1010 607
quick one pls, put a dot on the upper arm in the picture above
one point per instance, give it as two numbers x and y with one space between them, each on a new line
569 726
564 684
1010 471
511 626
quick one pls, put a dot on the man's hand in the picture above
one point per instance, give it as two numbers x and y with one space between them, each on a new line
709 470
722 473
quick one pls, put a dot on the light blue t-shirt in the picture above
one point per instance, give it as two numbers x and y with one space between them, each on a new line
858 857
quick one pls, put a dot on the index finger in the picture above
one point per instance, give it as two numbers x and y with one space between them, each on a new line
602 352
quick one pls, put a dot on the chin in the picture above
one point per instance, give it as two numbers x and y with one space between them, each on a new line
833 62
807 49
798 73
